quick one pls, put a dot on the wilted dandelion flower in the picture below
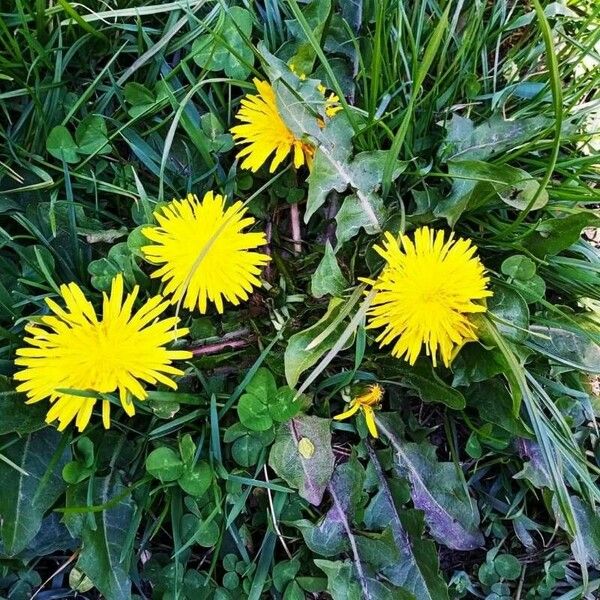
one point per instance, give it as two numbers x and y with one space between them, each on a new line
74 351
263 132
204 252
425 294
332 101
366 402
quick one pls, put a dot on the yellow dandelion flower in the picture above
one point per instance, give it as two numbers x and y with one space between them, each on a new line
204 253
263 132
425 294
73 349
332 102
367 402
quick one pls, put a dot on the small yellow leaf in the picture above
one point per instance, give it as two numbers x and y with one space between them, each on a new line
306 447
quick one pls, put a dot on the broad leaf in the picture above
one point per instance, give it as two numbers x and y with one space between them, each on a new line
424 380
91 135
328 278
226 49
535 468
511 312
28 494
51 537
437 490
17 416
61 145
476 363
417 567
467 141
302 456
566 346
553 235
298 358
329 537
334 169
164 464
103 535
494 403
477 184
341 580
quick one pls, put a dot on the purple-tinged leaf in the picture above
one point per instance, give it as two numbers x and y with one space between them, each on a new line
437 490
302 456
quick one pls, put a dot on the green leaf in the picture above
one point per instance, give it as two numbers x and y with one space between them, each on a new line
566 346
253 406
82 467
103 535
473 446
507 566
297 357
226 49
61 145
119 260
378 549
417 568
253 412
164 464
352 216
30 492
341 580
51 537
310 472
554 235
325 176
316 14
91 136
424 380
476 363
328 278
246 450
262 385
465 141
247 445
140 98
204 532
17 416
284 572
477 184
532 290
219 141
437 490
518 267
329 537
196 480
334 169
293 592
511 311
187 450
494 403
137 94
586 545
284 405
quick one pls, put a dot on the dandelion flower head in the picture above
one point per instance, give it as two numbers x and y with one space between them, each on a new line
73 357
263 133
426 294
366 402
203 253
